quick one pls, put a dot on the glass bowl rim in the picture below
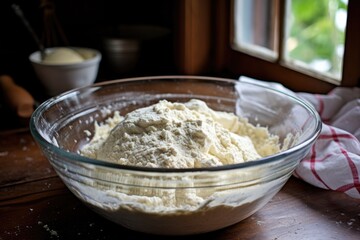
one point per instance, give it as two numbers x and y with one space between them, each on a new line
101 163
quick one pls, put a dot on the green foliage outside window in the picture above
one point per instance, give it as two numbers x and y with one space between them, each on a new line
314 34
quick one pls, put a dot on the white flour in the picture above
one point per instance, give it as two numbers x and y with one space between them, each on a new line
177 135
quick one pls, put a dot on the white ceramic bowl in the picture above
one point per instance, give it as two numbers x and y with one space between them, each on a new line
58 78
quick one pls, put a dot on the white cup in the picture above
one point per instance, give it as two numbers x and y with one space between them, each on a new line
58 78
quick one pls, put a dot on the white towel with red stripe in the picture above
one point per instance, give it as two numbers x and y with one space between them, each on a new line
334 160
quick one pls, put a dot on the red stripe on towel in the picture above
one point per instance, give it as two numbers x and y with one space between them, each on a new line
353 169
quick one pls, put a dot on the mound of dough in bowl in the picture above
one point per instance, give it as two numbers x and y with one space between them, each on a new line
180 135
63 55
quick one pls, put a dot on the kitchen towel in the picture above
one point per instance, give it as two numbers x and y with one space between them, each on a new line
334 160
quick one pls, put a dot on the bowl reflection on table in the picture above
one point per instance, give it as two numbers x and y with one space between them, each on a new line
224 195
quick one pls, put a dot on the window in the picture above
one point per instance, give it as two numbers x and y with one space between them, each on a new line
313 34
255 28
261 39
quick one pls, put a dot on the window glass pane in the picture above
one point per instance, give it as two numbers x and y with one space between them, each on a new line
254 26
316 34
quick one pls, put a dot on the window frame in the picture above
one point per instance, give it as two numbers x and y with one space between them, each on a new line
204 36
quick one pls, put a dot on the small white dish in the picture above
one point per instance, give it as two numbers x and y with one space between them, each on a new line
58 78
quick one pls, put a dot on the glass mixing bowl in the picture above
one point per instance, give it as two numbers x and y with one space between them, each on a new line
173 201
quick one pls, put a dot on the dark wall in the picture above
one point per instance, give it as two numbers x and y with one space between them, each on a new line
85 23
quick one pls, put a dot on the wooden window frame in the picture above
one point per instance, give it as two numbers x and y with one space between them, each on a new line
204 48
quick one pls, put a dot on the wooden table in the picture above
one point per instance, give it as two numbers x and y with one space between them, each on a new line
35 204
